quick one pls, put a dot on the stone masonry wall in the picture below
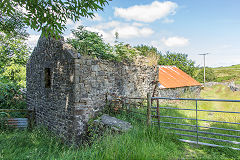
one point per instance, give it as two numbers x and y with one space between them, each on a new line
96 78
178 92
53 106
78 86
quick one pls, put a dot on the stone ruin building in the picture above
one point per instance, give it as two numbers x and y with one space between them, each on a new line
66 89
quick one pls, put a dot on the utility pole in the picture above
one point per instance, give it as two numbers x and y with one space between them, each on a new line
204 71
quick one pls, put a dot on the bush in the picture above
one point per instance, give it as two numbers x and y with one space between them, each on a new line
11 96
92 44
209 75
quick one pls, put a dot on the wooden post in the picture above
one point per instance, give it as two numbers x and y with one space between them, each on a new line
149 107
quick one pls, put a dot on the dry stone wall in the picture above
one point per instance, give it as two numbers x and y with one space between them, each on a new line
178 92
97 78
53 105
67 89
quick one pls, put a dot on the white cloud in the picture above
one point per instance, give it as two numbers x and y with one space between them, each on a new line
125 30
175 41
69 22
77 24
70 35
147 13
109 25
132 31
73 25
166 20
137 24
107 36
32 40
97 17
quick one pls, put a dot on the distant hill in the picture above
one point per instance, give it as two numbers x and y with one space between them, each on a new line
226 74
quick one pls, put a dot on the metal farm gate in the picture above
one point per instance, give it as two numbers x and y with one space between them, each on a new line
194 128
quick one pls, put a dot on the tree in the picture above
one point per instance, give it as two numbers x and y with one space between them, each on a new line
13 25
89 43
179 60
14 54
49 16
209 75
92 44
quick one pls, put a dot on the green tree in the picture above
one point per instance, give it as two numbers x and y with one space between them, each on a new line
179 60
13 25
13 58
209 75
90 43
14 54
49 16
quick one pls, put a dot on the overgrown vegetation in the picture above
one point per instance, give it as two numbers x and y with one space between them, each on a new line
226 74
92 44
11 96
209 75
139 143
14 54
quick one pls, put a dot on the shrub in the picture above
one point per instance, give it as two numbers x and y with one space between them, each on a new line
209 75
92 44
11 96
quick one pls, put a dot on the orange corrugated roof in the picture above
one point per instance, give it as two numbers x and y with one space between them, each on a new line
173 77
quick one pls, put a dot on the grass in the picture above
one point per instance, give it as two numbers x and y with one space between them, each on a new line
226 74
215 92
139 143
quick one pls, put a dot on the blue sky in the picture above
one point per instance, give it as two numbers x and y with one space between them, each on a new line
187 26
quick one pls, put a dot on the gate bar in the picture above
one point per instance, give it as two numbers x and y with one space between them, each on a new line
195 110
195 119
203 132
198 99
225 129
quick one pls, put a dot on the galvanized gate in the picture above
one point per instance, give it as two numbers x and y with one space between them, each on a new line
194 128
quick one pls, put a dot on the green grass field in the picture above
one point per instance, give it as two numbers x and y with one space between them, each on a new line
230 73
139 143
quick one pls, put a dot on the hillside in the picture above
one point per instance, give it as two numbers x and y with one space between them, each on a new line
226 74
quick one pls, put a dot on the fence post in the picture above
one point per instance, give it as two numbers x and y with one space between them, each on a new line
149 107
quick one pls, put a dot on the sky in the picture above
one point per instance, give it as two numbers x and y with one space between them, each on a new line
192 27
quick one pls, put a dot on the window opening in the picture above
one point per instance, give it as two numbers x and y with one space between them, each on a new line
47 78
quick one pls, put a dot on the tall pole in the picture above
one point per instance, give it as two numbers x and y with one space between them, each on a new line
204 66
204 58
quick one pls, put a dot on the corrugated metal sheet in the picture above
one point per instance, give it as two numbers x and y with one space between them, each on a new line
173 77
18 122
